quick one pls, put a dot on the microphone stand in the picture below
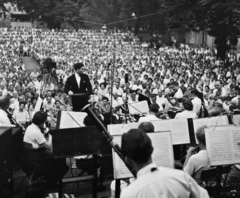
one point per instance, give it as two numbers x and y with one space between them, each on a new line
107 135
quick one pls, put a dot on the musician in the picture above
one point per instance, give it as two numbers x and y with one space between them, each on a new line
196 101
78 83
153 110
161 100
219 90
41 153
196 163
188 110
4 105
153 181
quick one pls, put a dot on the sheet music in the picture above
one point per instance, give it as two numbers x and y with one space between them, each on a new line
38 104
178 127
133 125
118 129
138 107
213 121
162 154
236 119
162 125
223 145
180 131
70 119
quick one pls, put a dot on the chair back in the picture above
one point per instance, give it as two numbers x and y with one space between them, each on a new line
209 175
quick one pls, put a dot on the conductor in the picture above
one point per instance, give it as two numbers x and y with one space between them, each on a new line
78 86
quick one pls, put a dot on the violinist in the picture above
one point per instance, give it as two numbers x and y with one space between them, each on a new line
41 154
196 163
219 91
153 110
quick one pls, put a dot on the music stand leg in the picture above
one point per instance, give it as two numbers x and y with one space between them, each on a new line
117 188
95 173
60 188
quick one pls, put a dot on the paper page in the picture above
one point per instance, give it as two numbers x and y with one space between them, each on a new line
216 121
38 104
70 119
162 125
138 107
117 129
213 121
180 131
133 125
236 119
236 143
162 154
163 149
219 145
119 167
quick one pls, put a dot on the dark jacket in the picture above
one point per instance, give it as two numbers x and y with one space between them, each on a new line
85 85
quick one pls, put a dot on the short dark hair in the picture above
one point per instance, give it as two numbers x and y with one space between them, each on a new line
137 145
147 127
105 98
39 117
187 104
22 102
78 66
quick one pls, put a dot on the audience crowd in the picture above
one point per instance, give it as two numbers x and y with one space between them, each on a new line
155 73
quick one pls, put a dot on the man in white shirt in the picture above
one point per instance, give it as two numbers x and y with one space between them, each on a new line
153 181
196 101
39 84
153 110
161 100
118 89
195 164
4 104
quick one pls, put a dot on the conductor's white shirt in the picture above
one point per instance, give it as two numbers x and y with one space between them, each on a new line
163 183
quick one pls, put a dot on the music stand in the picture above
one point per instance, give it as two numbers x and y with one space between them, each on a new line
79 100
75 142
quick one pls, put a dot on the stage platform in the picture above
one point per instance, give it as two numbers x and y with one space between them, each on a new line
79 190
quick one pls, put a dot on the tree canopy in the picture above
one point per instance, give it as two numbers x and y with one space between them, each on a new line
219 18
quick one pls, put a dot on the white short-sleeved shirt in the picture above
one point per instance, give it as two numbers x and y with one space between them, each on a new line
148 118
34 136
186 114
163 182
4 118
197 104
196 164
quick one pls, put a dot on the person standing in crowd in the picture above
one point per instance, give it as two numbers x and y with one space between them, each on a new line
78 83
153 181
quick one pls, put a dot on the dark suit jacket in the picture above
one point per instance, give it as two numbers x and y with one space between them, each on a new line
79 102
85 85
